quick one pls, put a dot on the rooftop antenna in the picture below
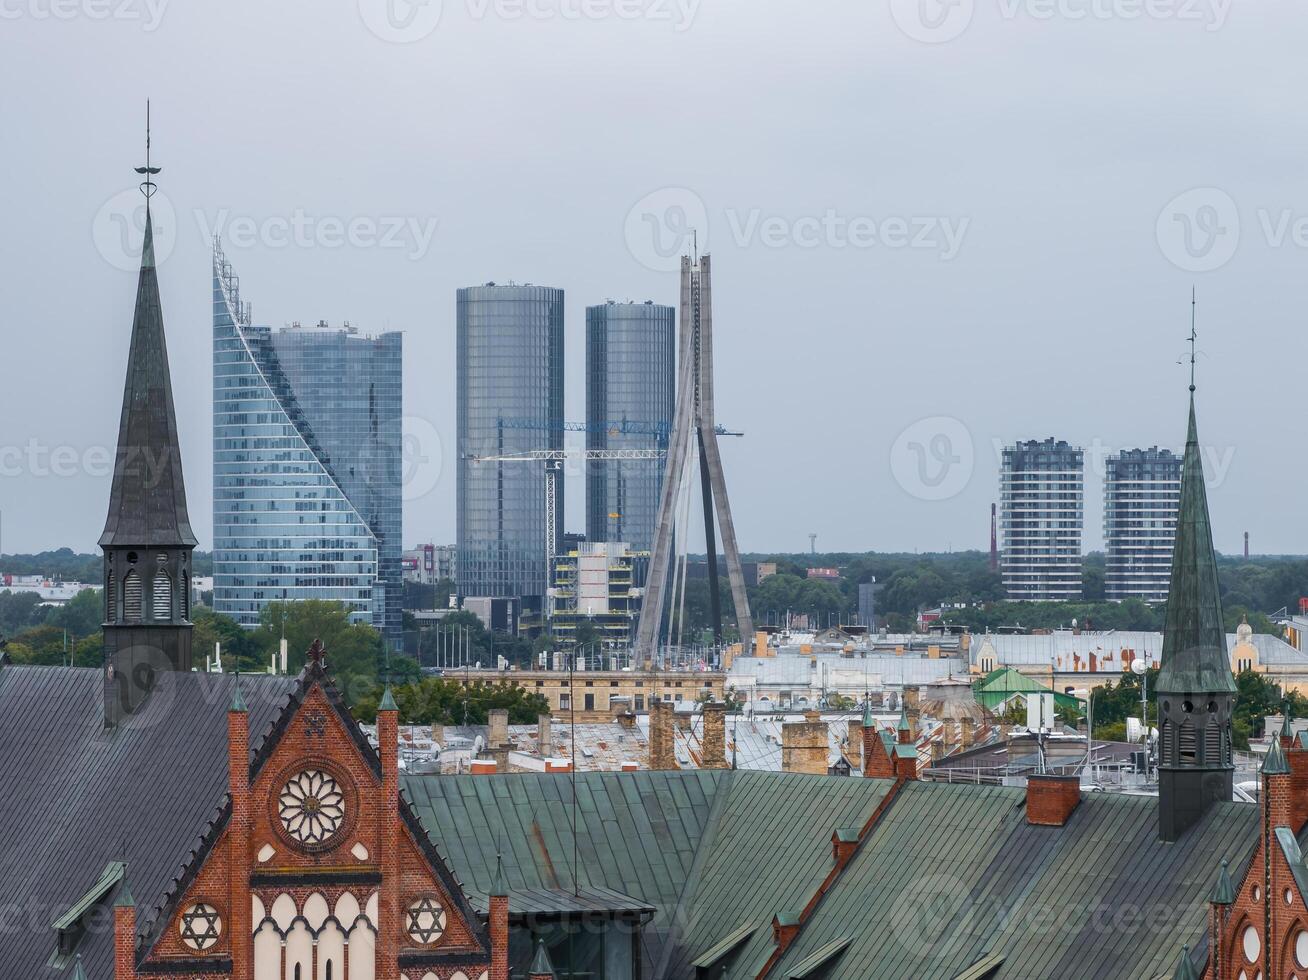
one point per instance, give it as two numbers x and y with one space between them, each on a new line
694 237
148 186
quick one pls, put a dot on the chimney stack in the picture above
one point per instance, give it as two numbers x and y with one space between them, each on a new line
713 745
544 736
662 755
1050 800
804 745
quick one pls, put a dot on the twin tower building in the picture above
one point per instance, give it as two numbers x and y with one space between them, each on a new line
311 459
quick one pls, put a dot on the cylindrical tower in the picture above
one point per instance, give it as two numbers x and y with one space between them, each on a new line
630 391
510 400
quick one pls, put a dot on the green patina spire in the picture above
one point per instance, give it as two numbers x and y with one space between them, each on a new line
1184 968
1287 730
124 899
868 720
903 725
387 701
238 699
1275 764
1194 635
498 890
1224 890
78 972
540 964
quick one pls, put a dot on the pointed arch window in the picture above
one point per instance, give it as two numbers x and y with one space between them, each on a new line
161 598
132 595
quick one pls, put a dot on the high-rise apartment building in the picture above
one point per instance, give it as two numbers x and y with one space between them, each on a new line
1041 493
307 464
630 391
510 402
1142 491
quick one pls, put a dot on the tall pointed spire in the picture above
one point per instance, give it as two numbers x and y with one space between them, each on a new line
147 502
1195 689
147 539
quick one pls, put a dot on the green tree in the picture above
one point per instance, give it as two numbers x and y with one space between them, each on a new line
439 701
81 615
354 650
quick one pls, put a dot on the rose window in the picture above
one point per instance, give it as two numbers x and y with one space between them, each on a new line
311 807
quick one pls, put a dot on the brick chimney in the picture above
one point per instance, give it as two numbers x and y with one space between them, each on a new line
124 933
1050 800
388 895
713 745
966 733
662 754
498 925
804 745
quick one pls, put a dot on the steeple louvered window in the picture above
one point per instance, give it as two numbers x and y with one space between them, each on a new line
132 596
161 598
110 599
1187 745
1213 743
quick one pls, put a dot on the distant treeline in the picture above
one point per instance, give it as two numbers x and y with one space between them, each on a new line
67 565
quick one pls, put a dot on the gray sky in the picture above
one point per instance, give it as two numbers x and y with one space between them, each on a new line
934 229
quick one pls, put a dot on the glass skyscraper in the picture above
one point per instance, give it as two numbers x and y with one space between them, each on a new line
1142 492
510 401
306 459
630 392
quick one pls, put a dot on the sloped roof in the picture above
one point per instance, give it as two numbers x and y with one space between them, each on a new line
1038 896
142 793
637 833
1003 682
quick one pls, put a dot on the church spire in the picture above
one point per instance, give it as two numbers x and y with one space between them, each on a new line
1195 689
147 501
147 539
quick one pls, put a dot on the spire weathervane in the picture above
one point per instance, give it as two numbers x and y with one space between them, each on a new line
1192 339
148 186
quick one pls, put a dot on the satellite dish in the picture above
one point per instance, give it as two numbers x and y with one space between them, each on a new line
1138 665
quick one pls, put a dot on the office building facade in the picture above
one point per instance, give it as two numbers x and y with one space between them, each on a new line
307 464
1042 505
630 395
1142 491
510 402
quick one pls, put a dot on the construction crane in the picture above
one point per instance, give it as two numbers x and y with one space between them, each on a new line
555 458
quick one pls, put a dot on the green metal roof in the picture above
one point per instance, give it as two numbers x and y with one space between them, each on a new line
1194 657
710 957
982 968
787 918
110 876
999 686
817 959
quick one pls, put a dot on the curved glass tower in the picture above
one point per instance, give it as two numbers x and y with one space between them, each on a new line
306 464
630 377
510 401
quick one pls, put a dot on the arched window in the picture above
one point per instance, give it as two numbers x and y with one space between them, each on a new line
132 596
1213 743
161 598
110 599
1165 747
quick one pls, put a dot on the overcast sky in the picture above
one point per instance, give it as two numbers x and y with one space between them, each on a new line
934 228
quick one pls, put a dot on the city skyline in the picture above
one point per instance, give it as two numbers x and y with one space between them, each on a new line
1060 297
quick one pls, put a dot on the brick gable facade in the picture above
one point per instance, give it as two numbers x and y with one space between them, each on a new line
315 868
